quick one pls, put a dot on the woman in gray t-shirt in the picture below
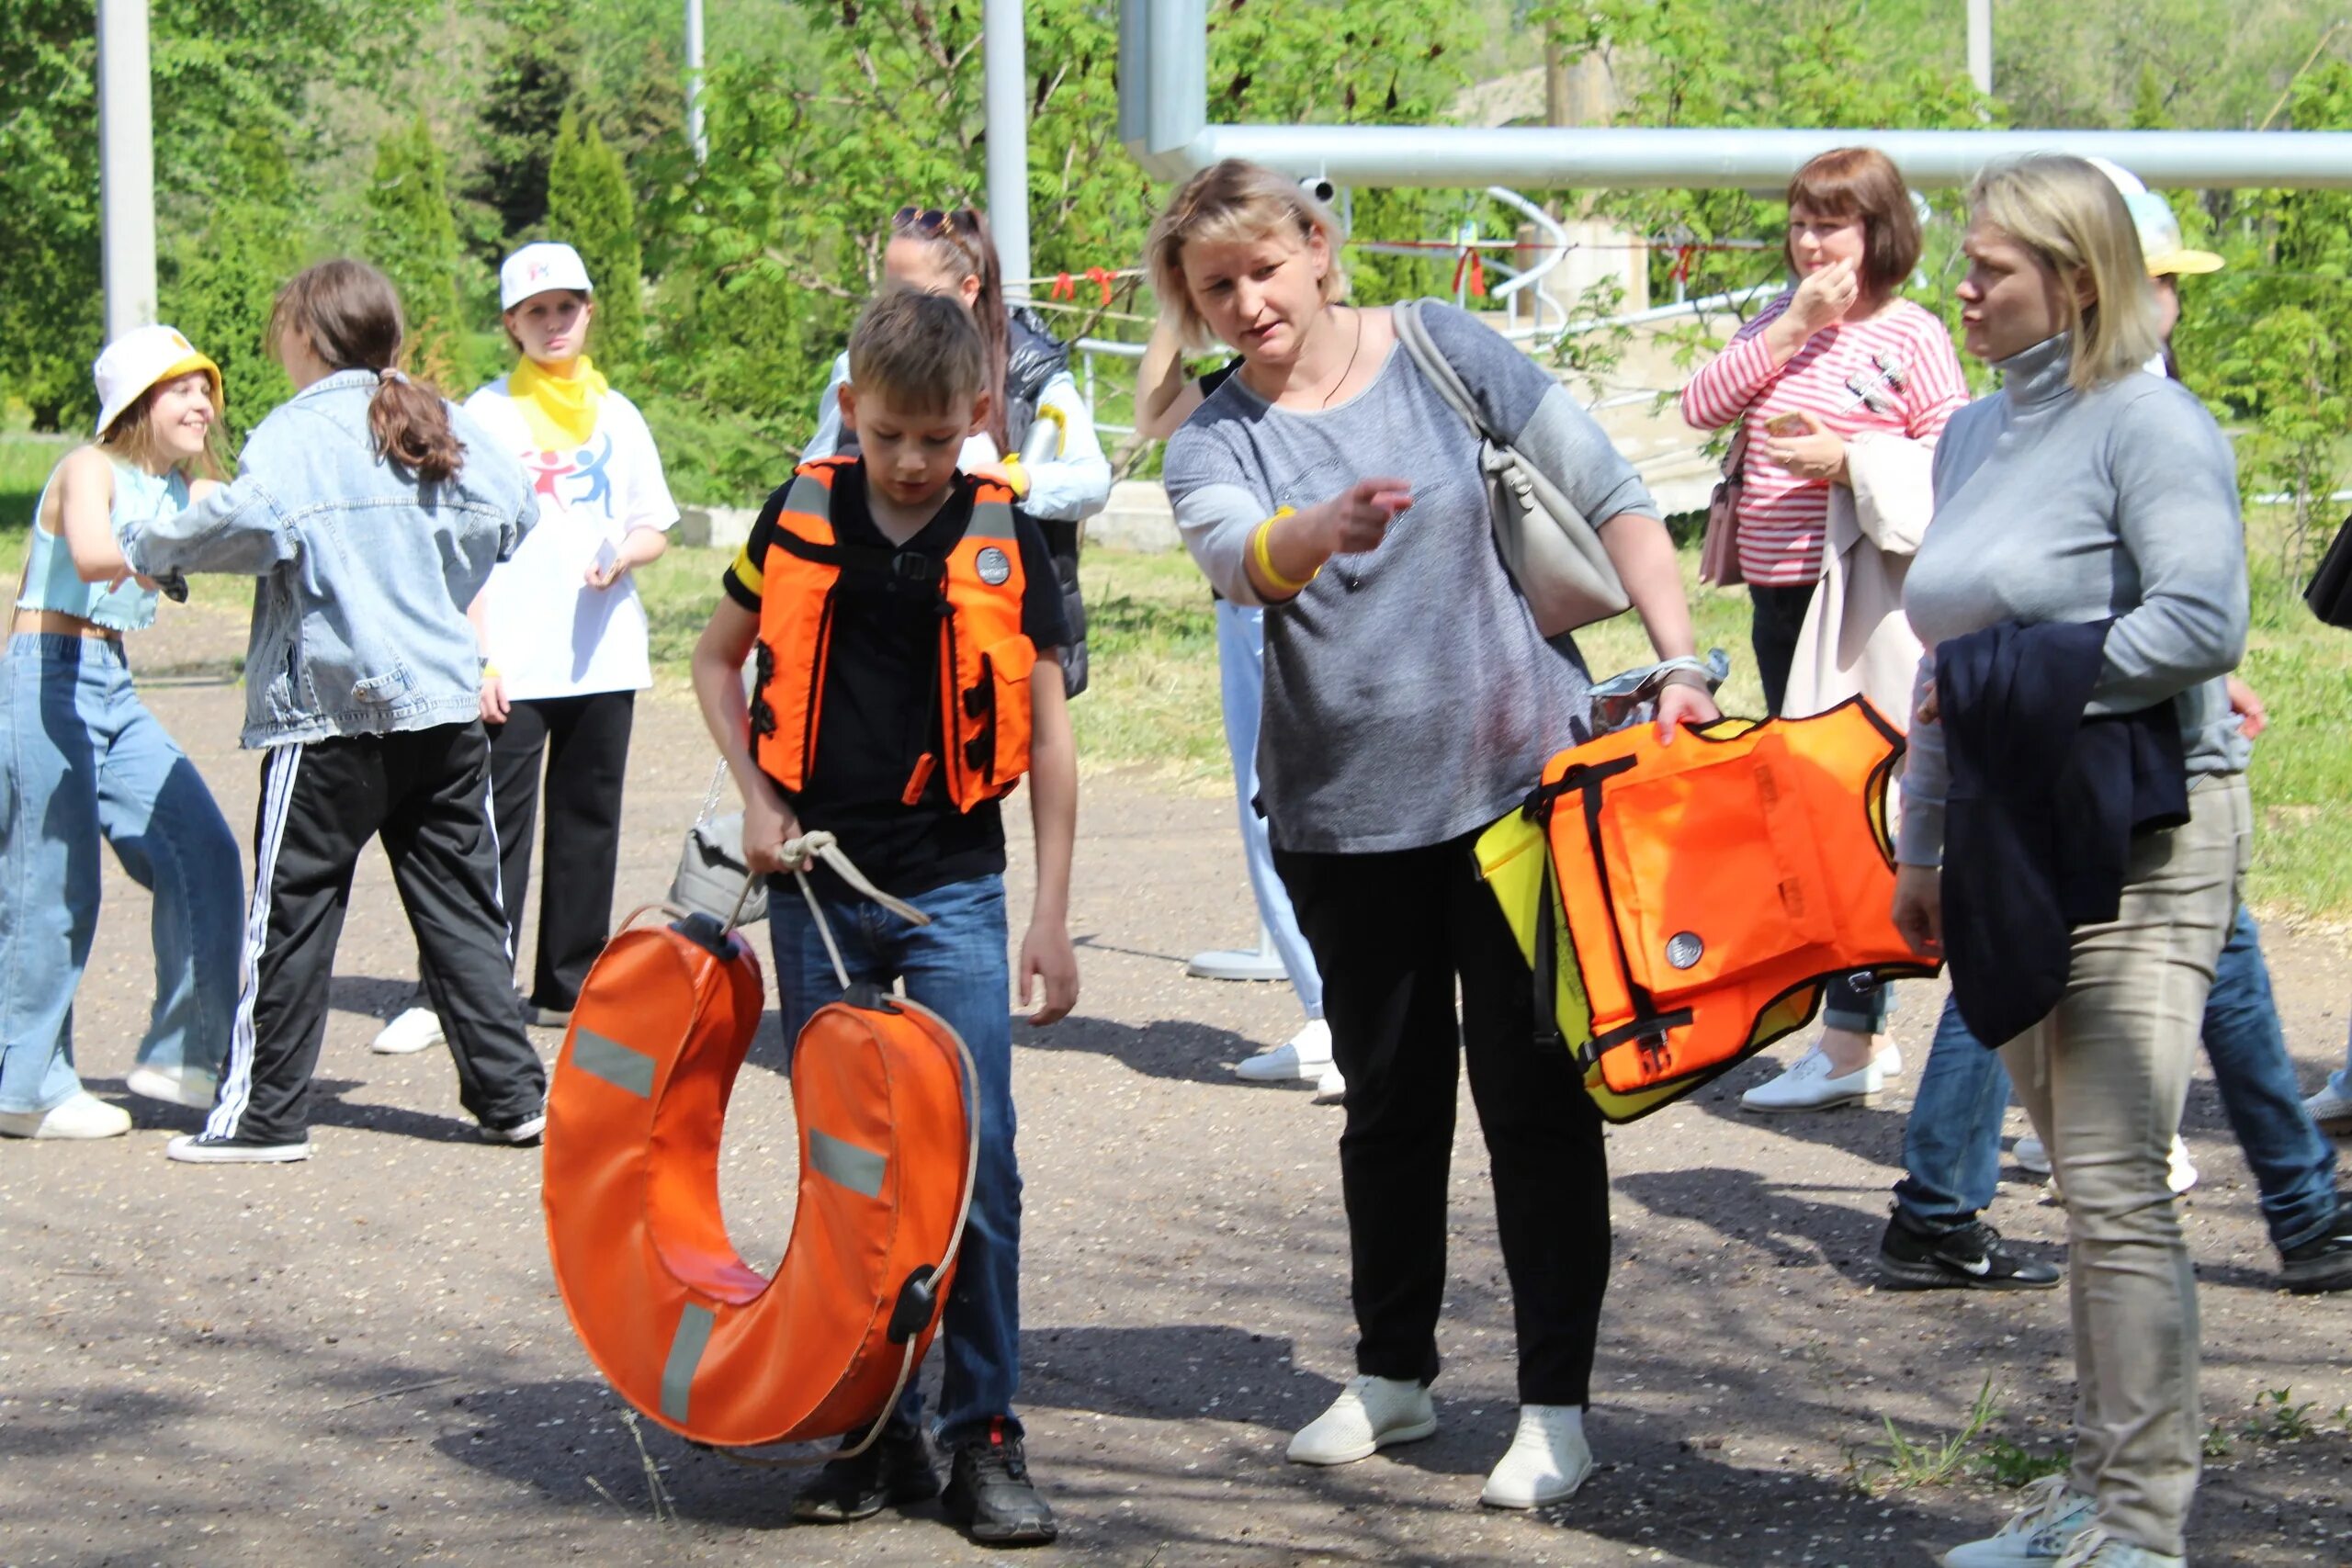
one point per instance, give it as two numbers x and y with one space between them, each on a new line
1410 702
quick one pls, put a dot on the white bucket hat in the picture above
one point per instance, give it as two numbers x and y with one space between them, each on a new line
138 360
536 268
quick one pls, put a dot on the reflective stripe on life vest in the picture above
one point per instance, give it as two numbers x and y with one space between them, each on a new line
984 657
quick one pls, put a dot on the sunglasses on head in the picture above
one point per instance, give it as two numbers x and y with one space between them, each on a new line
931 220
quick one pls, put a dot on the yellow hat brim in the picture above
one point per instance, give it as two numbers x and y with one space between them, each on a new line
183 366
2185 263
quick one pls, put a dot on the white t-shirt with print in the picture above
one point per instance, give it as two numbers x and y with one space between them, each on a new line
550 634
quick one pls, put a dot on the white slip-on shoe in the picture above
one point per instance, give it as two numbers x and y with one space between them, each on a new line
2179 1175
1889 1062
414 1030
1370 1413
2037 1535
83 1116
1331 1088
191 1086
2332 1111
1809 1085
1303 1058
1547 1460
2031 1154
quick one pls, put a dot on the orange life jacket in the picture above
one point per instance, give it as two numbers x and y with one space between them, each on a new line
668 1309
1707 885
984 657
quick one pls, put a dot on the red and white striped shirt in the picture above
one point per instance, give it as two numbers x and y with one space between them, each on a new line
1782 517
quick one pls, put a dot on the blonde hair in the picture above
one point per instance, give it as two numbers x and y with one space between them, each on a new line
2074 220
1233 202
132 437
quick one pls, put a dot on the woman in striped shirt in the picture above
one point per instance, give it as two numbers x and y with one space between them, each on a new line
1839 354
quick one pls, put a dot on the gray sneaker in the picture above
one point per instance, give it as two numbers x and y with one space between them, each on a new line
2039 1534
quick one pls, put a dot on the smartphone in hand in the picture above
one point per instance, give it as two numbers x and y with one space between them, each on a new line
606 556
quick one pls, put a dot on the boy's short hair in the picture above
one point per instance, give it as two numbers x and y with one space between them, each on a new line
921 351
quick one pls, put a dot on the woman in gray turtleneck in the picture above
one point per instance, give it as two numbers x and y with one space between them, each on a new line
2086 490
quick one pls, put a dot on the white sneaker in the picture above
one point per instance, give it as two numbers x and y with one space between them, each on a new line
1808 1086
2332 1111
183 1085
83 1116
2179 1174
1304 1058
1547 1460
2096 1549
1889 1062
2037 1535
1331 1088
414 1030
1371 1412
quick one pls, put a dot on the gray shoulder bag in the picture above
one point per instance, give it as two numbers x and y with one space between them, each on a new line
711 873
1550 549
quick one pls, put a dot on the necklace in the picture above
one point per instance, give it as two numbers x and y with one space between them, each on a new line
1352 351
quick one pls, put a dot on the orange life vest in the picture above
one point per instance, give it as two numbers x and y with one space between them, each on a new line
984 657
1706 884
668 1309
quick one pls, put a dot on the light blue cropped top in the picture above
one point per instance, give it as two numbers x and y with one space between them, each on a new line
52 584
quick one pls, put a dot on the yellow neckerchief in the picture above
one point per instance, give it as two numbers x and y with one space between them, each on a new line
559 410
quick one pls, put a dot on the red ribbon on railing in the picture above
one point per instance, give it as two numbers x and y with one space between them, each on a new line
1683 255
1101 277
1064 288
1476 269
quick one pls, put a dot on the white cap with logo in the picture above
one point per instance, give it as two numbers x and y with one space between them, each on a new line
138 360
537 267
2166 253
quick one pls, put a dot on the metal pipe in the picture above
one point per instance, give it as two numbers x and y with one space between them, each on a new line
1005 95
126 166
1617 158
695 133
1980 45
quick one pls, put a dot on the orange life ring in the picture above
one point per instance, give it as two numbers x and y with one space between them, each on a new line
683 1328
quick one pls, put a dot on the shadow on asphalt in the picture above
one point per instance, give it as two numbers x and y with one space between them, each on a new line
1789 1229
1164 1048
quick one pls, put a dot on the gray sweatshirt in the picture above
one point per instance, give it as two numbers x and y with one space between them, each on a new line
2058 505
1410 698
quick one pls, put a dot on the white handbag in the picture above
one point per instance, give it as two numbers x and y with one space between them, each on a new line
711 872
1552 551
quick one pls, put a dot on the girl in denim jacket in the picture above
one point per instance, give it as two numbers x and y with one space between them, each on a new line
85 759
370 512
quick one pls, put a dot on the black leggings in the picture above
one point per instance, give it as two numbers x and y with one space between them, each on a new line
1391 934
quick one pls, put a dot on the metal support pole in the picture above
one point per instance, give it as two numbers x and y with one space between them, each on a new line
1980 45
126 166
695 133
1005 93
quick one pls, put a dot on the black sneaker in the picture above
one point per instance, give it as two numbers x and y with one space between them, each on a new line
525 1130
1972 1258
2322 1264
989 1492
895 1472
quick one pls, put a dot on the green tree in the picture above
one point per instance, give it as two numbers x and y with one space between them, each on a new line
529 90
590 208
413 238
219 282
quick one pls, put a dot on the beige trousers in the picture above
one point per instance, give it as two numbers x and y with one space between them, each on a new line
2104 1078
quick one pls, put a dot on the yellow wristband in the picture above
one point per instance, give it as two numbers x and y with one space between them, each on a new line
1265 554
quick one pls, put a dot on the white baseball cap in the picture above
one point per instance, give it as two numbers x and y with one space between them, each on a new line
2161 247
537 267
138 360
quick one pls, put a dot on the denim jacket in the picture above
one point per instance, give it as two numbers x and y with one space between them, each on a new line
365 573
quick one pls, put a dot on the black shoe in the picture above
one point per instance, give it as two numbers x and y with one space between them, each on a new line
2322 1264
989 1492
1972 1258
895 1472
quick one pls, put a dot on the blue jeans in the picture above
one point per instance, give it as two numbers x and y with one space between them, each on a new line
957 967
85 759
1241 670
1951 1145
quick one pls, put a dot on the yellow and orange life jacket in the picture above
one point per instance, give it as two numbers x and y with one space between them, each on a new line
985 659
1703 890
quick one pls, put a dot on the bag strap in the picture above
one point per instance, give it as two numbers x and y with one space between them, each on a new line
1435 368
1735 456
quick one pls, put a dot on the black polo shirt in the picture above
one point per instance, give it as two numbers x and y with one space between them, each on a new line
881 709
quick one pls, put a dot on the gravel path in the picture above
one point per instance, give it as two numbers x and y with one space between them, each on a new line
362 1359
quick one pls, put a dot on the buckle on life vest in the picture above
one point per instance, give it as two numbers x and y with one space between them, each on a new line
762 673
